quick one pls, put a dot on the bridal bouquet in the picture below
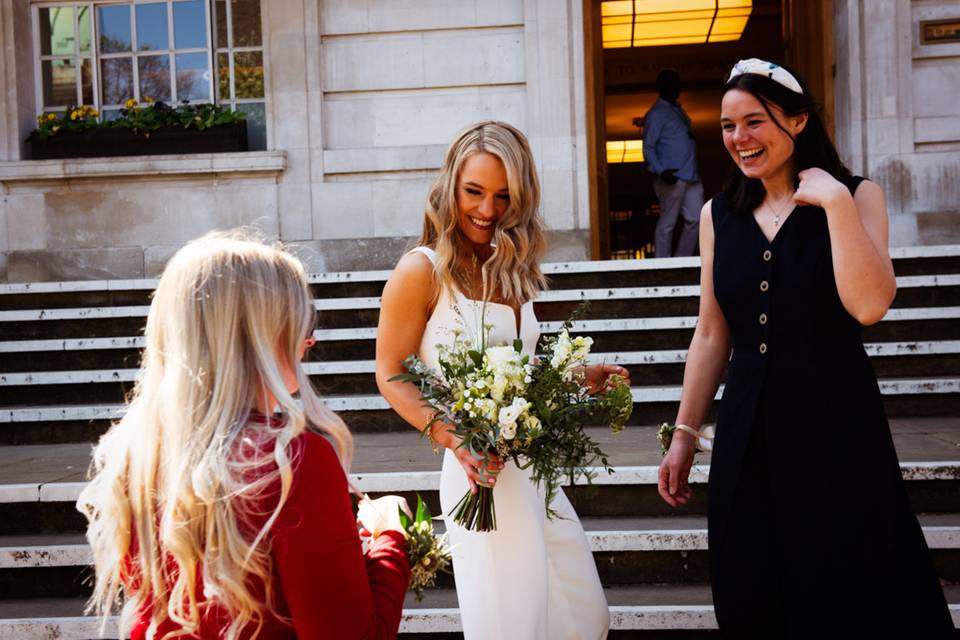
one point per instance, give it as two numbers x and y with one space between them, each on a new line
531 410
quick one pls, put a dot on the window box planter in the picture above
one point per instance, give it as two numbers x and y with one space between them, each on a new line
107 142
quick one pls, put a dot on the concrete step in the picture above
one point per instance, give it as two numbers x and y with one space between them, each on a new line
336 313
65 422
40 483
357 343
605 535
649 611
908 261
627 551
356 377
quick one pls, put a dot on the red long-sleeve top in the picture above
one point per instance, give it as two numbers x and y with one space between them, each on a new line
322 581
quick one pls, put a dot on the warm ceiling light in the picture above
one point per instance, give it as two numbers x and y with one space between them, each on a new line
624 151
648 23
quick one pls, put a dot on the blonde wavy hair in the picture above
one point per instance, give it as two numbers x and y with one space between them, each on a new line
171 481
518 237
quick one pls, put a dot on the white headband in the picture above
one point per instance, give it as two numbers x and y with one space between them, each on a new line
767 69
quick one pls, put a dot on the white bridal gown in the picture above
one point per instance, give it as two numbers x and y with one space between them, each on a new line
533 578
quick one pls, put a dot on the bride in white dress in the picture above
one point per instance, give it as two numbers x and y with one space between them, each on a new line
533 578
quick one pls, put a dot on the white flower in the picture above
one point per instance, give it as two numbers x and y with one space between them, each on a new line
509 432
508 417
510 414
499 388
532 424
561 353
570 353
498 358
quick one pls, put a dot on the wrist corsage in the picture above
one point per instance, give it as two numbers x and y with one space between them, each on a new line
703 437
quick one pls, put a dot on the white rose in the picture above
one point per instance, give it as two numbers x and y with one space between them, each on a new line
509 432
521 404
499 357
508 416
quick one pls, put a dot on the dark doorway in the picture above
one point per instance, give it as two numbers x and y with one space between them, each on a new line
623 88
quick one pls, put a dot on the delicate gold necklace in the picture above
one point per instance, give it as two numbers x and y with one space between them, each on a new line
468 277
779 214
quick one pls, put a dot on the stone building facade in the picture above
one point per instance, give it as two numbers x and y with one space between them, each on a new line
361 98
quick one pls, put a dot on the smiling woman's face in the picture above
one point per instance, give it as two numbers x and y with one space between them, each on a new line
757 145
483 196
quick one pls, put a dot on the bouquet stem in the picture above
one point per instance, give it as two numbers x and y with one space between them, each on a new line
476 511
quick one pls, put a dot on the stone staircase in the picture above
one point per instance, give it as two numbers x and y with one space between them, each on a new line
69 352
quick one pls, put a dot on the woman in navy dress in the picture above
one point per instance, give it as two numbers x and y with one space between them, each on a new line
810 527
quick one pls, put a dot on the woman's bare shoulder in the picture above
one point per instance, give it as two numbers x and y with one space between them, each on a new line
412 277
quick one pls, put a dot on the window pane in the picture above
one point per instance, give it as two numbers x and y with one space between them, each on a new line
256 125
246 23
223 78
189 24
84 16
193 77
248 74
114 21
56 31
154 76
116 80
110 114
220 9
86 81
152 26
59 82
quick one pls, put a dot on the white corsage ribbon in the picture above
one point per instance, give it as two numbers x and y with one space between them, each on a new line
703 437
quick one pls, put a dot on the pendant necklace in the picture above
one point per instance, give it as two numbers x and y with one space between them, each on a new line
778 214
468 278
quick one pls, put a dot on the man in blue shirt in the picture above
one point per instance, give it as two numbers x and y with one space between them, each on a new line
671 156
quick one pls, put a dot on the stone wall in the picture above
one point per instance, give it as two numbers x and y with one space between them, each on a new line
124 217
898 113
362 97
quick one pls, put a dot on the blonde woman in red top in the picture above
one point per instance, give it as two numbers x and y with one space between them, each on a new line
219 504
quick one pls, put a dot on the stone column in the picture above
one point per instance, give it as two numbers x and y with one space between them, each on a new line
17 103
556 121
291 40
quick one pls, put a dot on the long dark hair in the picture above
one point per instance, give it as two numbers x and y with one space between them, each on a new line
812 146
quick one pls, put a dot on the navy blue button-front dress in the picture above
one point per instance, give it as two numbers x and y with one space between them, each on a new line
810 527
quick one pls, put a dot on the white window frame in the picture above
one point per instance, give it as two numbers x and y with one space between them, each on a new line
229 49
76 57
96 57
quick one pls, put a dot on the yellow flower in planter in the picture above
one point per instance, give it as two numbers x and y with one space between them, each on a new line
51 116
131 103
74 115
148 99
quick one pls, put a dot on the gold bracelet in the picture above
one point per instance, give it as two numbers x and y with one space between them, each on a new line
434 444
